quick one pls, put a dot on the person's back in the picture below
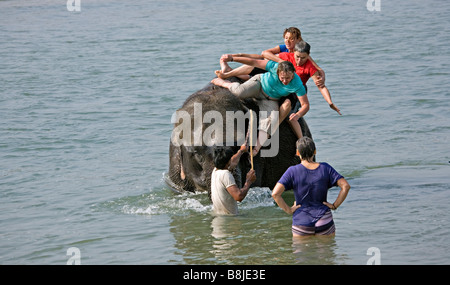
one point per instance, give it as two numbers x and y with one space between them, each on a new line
223 202
224 192
310 182
310 188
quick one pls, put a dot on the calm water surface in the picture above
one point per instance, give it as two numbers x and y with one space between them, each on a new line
85 105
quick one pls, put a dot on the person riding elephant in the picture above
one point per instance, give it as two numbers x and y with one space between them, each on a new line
280 81
193 141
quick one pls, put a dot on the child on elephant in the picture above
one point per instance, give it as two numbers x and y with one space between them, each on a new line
224 191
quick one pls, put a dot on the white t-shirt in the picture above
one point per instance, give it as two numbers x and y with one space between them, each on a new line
223 202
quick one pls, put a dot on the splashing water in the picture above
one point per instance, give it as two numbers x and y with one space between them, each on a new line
163 201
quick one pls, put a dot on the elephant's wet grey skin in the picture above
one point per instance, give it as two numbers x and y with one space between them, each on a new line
191 163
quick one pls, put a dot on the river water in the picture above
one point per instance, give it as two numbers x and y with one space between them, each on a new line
86 99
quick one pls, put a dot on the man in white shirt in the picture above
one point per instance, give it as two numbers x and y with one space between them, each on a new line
224 191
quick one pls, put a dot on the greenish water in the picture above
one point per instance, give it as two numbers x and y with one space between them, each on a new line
85 105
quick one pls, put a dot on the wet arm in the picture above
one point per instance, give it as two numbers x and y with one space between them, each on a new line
235 158
276 195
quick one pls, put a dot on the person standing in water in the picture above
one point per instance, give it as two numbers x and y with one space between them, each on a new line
310 181
224 192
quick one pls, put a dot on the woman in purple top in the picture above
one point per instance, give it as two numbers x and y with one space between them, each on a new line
310 181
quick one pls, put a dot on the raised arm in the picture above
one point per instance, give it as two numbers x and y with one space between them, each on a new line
237 156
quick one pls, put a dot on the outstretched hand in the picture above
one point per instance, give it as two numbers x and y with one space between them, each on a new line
334 107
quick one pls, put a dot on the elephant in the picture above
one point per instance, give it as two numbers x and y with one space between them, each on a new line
191 163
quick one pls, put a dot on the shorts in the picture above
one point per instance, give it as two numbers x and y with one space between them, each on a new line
324 226
256 71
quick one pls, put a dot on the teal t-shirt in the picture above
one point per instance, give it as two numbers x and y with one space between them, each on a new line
274 88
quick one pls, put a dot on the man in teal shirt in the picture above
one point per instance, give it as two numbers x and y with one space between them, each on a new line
280 80
274 87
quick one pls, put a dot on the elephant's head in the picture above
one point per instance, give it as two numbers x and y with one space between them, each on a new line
207 119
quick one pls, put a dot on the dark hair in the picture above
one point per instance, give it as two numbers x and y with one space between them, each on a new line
285 66
306 147
302 46
221 157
